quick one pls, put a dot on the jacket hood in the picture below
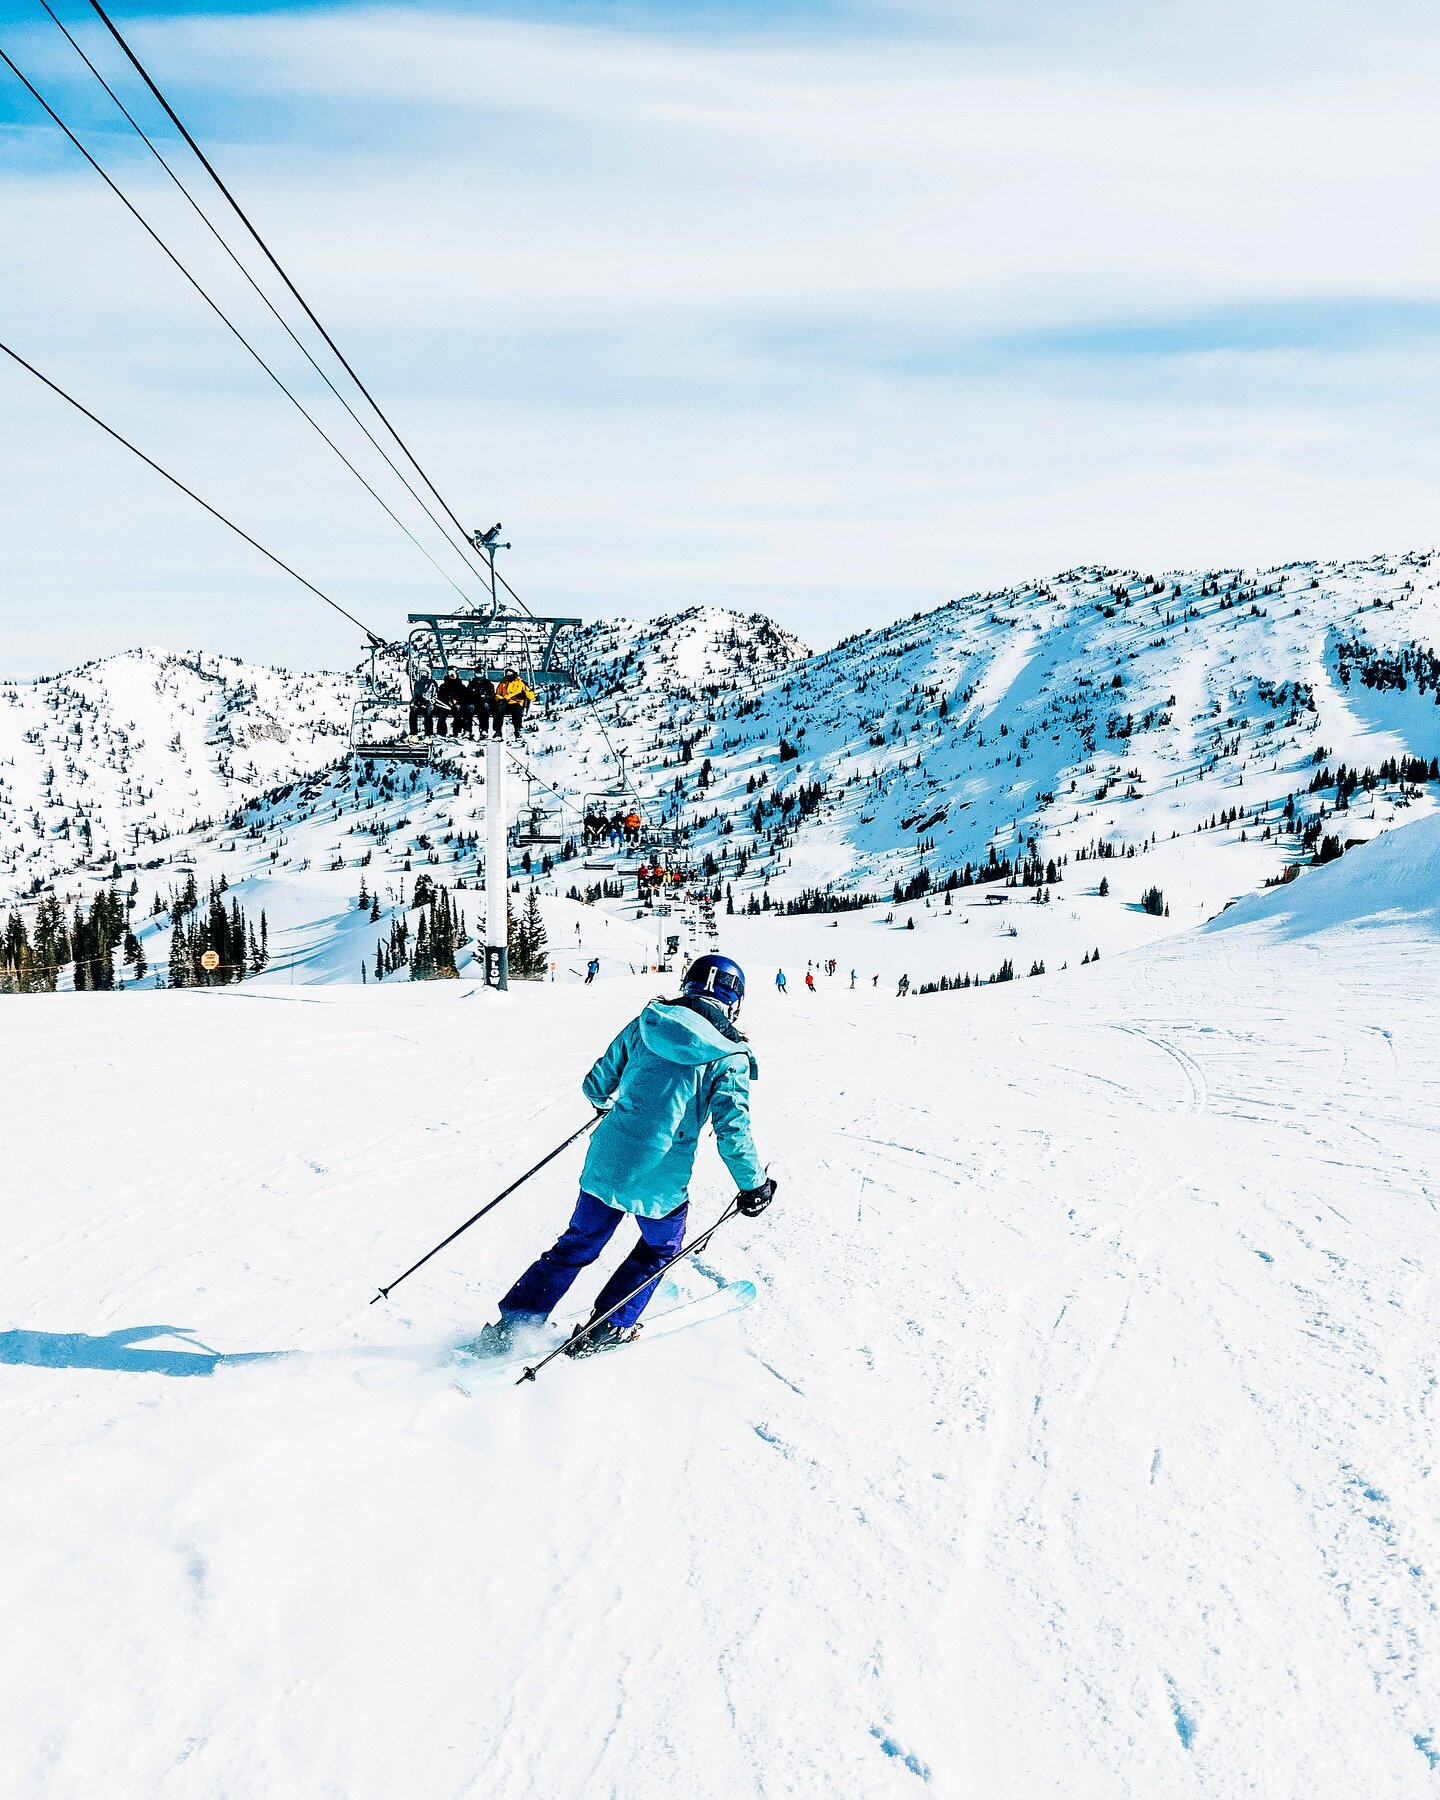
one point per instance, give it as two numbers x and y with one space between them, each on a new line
680 1035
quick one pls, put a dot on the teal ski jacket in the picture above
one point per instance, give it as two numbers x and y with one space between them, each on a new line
667 1073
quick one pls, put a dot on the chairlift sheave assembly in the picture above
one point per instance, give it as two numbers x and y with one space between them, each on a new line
487 641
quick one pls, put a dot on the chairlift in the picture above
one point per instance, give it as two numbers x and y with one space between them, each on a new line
538 825
650 839
488 641
607 804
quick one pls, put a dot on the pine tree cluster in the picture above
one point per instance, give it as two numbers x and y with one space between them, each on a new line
218 927
436 935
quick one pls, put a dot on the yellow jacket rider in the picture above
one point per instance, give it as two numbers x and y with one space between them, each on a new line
513 696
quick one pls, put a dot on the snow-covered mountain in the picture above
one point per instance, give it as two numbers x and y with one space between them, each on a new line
115 759
1129 751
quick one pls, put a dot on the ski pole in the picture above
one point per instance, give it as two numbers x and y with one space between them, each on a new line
689 1249
490 1205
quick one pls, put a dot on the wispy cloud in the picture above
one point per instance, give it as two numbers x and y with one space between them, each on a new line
839 315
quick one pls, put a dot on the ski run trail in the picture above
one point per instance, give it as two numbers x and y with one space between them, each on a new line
1081 1442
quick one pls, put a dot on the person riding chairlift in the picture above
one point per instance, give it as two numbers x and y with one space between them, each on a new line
422 705
480 696
455 701
513 696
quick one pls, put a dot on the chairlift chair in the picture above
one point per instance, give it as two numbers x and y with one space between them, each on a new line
538 825
487 642
380 717
606 802
381 731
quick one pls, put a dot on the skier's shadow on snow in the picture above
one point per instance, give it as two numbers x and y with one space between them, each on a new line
116 1352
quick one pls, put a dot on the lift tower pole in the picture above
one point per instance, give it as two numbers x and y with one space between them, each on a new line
497 871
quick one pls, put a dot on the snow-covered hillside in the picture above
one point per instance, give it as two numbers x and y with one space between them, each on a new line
1082 1441
111 761
1129 753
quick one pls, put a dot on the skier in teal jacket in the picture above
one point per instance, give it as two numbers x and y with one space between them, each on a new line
680 1063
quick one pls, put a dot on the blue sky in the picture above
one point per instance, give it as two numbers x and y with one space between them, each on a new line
831 310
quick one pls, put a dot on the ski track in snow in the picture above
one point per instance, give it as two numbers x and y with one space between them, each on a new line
1081 1440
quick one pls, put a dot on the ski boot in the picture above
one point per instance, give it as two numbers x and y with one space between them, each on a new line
583 1342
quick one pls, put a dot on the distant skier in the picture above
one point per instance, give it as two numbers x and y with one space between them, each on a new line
780 986
592 969
904 987
683 1061
810 980
852 981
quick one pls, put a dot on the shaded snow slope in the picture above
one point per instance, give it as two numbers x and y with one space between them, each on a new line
1396 878
1082 1440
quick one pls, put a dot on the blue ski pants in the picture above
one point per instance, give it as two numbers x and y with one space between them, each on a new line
549 1278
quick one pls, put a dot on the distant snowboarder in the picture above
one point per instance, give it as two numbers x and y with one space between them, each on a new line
683 1061
904 987
592 969
852 981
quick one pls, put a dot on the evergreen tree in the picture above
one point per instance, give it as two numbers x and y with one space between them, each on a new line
52 943
18 971
442 935
527 955
179 971
422 966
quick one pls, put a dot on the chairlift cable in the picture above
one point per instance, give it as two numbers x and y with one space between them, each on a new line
567 801
223 317
215 513
618 755
278 316
244 218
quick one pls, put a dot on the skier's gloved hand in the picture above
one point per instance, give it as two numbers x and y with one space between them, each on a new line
755 1200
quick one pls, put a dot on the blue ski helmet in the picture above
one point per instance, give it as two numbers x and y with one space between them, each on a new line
715 978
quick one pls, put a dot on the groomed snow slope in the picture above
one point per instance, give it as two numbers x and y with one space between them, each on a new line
1082 1440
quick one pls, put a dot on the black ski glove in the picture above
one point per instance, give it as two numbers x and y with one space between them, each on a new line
754 1200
